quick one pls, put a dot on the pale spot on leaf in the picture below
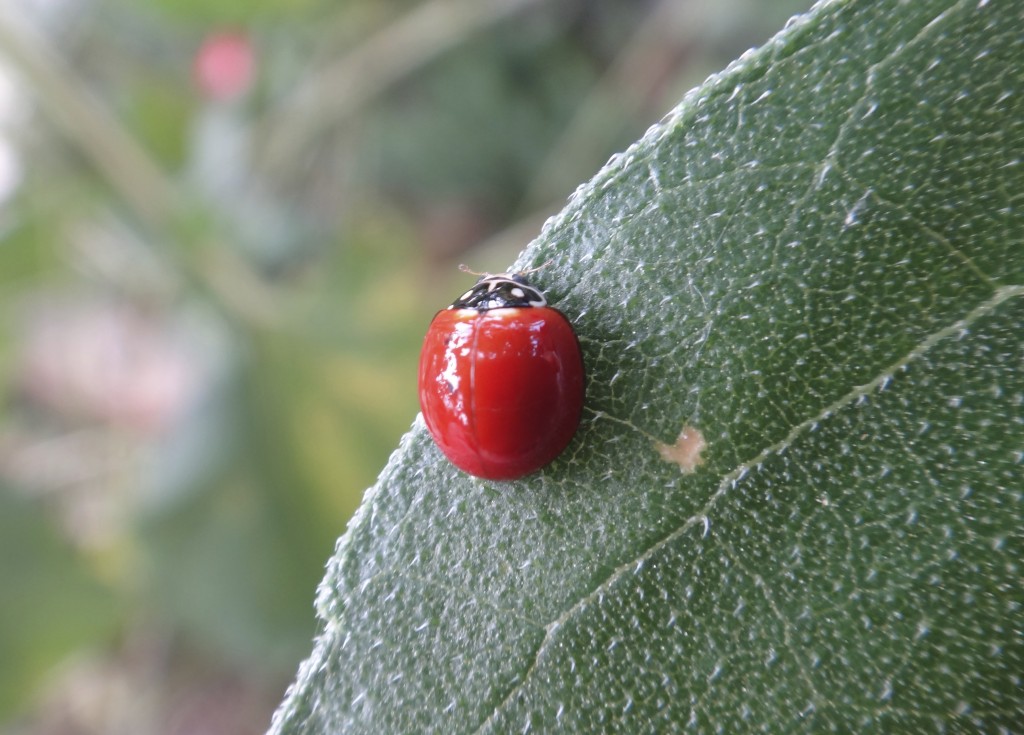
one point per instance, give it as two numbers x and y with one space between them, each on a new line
686 450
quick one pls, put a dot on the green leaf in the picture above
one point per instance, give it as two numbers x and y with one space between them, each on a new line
814 263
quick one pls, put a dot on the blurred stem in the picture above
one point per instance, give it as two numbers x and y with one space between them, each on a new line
344 86
627 87
128 168
217 271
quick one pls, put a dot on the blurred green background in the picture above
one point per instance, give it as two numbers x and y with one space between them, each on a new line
224 227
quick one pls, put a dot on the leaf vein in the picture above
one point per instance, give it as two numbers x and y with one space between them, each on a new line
960 326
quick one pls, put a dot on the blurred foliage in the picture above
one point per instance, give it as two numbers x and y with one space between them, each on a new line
214 294
39 590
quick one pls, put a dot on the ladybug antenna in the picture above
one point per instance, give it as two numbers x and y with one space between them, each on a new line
466 269
542 266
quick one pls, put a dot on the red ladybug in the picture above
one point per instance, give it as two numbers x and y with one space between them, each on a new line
501 379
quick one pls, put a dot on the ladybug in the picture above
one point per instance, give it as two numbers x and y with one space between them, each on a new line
501 379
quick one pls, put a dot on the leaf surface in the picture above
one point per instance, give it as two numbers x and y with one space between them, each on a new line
814 265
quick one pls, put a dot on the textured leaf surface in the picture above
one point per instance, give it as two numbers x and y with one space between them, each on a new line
816 263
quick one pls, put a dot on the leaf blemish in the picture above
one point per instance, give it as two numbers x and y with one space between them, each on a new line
686 451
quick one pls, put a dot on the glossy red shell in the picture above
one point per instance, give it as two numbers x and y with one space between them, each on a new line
501 390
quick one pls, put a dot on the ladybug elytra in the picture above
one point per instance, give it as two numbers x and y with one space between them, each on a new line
501 379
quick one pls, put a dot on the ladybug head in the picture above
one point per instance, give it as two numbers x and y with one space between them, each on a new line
500 291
